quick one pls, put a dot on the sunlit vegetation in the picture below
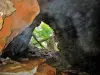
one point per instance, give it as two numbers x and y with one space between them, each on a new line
43 37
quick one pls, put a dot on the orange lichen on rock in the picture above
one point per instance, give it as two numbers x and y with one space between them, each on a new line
6 28
6 9
35 66
45 69
26 11
2 44
22 66
4 32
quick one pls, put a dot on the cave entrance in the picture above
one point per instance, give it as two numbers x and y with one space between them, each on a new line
43 38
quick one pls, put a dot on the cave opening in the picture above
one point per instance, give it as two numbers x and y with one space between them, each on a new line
43 37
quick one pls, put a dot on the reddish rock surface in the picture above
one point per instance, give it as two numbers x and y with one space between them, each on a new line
45 69
22 66
26 11
28 66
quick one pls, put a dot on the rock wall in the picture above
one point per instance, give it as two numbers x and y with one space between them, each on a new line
26 11
76 27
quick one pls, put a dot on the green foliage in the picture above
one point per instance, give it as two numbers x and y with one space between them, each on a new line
42 32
